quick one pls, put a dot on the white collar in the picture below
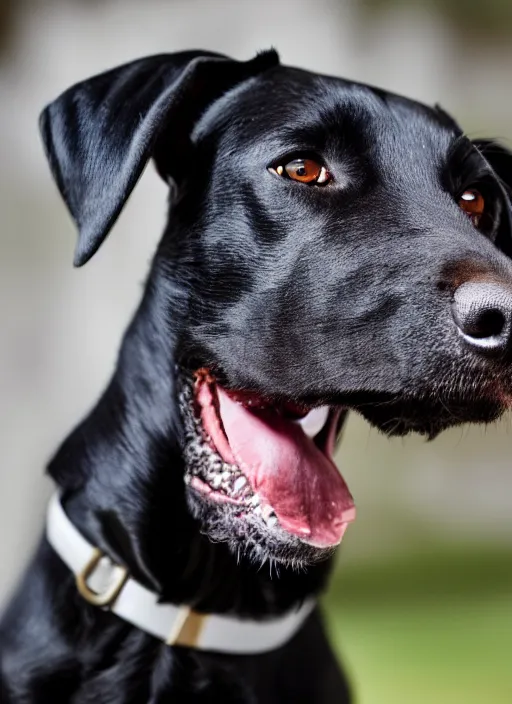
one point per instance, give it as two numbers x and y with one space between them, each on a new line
103 583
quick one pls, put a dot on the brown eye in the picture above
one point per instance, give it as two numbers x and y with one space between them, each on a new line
305 171
473 204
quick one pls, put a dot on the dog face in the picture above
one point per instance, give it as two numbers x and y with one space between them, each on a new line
340 248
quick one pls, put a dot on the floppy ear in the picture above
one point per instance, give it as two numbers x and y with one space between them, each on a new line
500 160
100 133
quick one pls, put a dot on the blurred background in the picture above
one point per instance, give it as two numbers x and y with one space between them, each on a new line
421 605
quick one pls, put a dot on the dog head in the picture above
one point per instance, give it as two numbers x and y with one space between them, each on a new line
339 247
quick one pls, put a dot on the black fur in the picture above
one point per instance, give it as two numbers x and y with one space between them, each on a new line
339 294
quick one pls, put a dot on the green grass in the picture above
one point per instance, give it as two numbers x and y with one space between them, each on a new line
433 629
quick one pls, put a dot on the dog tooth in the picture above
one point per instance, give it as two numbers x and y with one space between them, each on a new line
272 521
314 421
216 481
239 484
257 510
254 500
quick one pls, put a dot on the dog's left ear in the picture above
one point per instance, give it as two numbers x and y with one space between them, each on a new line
500 159
100 133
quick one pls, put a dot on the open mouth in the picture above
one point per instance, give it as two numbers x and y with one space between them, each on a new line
270 461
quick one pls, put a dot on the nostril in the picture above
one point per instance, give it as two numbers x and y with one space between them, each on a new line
487 323
482 312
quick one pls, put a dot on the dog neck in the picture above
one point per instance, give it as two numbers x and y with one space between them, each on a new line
121 474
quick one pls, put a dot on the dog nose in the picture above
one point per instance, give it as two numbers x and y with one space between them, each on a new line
483 314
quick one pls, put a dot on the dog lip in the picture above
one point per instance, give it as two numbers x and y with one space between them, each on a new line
204 488
253 395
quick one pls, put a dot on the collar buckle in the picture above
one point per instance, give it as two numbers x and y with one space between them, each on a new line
107 597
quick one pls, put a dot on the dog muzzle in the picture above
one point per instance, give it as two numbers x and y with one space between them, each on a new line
105 584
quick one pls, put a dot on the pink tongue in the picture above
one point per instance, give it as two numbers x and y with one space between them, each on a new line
284 467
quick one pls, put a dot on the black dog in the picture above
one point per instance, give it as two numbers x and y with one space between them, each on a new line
330 246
